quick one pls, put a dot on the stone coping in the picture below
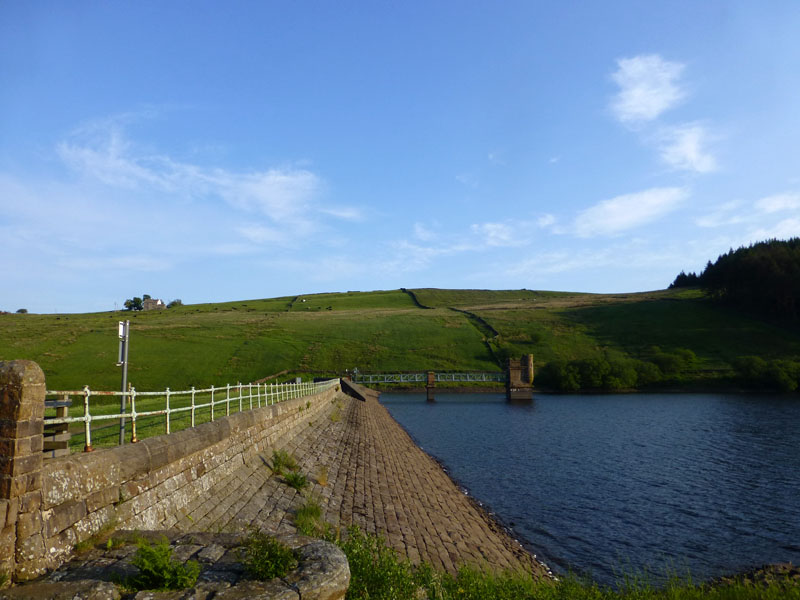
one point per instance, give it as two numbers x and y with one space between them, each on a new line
322 572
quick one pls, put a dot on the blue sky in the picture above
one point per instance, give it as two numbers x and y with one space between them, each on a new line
225 151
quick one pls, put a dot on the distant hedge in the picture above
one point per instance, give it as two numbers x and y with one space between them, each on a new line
615 372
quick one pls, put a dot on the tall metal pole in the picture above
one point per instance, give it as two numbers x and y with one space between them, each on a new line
124 332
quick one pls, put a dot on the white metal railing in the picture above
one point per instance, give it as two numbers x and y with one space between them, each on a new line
238 397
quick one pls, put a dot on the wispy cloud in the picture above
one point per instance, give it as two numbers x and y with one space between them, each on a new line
287 199
728 213
621 213
779 203
423 233
648 86
683 147
500 234
546 220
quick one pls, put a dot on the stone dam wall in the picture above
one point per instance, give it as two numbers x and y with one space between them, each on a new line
46 507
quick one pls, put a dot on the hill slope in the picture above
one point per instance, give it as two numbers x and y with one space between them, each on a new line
398 330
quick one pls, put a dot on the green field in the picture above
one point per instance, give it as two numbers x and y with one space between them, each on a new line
475 330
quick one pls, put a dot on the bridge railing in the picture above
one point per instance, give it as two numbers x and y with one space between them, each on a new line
488 376
154 413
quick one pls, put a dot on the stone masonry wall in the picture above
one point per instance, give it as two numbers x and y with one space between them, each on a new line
136 486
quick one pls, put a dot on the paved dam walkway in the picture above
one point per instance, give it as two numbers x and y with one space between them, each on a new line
378 479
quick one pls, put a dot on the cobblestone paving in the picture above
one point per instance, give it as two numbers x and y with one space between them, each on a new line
378 479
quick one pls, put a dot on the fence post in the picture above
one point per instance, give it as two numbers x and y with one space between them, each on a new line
250 394
192 406
87 419
212 403
240 396
167 410
22 389
227 399
134 439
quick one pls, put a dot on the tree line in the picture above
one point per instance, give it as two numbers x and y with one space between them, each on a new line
611 371
762 277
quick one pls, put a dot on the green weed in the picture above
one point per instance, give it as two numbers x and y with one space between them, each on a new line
296 480
308 519
282 461
265 558
157 570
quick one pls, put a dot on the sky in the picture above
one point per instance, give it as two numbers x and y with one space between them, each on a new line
215 151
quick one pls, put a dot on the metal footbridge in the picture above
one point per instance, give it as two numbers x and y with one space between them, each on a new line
424 378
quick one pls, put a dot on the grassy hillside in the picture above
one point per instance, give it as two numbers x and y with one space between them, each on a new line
207 344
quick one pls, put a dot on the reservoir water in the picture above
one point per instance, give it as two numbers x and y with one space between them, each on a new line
600 484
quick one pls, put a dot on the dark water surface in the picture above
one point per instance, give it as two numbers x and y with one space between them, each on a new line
606 483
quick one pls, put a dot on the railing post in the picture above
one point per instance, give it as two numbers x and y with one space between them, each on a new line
192 406
250 393
227 399
134 439
212 403
258 394
167 411
87 420
240 396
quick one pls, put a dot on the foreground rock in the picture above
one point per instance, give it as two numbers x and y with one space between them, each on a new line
322 572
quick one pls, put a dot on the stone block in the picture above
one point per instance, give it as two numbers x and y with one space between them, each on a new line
32 501
78 476
102 498
133 459
158 447
63 516
12 511
30 548
21 463
28 524
8 541
94 522
12 487
19 429
60 546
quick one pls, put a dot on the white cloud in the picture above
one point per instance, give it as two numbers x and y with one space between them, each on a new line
683 148
422 233
468 179
346 213
621 213
779 203
546 221
500 234
782 230
286 199
724 214
649 85
261 234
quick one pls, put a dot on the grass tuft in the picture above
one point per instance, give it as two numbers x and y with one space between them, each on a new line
266 558
308 520
322 475
296 480
157 570
282 461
